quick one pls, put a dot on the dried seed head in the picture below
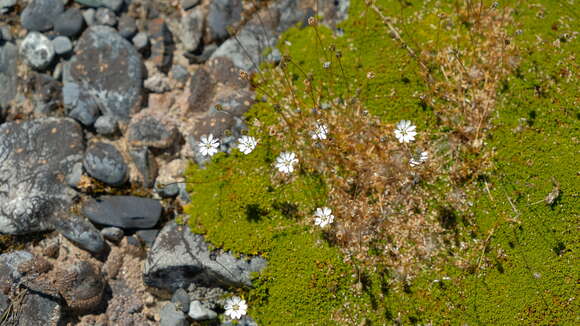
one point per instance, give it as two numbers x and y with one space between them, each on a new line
312 21
338 54
219 107
370 75
244 75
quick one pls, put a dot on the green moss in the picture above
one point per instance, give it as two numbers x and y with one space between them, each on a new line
529 276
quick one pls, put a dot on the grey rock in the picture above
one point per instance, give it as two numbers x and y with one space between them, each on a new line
181 300
89 16
126 212
162 45
221 15
80 106
5 6
69 23
186 4
171 316
146 165
141 40
201 89
192 29
8 73
73 178
41 309
114 5
4 303
106 125
108 71
6 34
62 45
198 312
83 234
166 191
104 162
112 233
127 26
206 53
179 73
9 262
146 130
85 286
35 156
40 15
38 50
147 236
105 16
46 93
179 258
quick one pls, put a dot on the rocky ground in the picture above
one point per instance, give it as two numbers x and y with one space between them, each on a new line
102 105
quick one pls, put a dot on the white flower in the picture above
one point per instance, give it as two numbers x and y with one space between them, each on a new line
208 145
285 162
326 65
323 216
405 131
320 131
419 160
235 307
246 144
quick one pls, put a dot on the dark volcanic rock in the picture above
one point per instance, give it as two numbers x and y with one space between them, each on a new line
69 23
104 162
179 258
80 105
81 233
221 15
146 130
35 157
126 212
108 72
202 89
8 77
40 15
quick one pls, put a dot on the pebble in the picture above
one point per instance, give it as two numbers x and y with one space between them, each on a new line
140 41
181 300
83 234
38 50
6 34
40 15
188 4
104 162
8 74
147 236
69 23
171 316
126 212
157 83
147 130
80 107
146 165
113 234
89 16
106 125
198 312
179 73
192 29
223 13
105 16
62 45
127 26
73 178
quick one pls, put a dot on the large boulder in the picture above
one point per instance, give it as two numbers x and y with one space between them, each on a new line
179 258
35 158
107 71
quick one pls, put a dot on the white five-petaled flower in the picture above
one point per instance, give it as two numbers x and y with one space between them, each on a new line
246 144
285 162
414 161
405 131
208 145
320 132
235 307
323 216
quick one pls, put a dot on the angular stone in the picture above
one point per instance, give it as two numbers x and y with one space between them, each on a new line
192 29
83 234
146 130
108 71
40 15
104 162
8 73
35 157
127 26
181 300
223 14
80 106
126 212
171 316
198 312
106 125
162 46
146 165
201 89
179 258
105 16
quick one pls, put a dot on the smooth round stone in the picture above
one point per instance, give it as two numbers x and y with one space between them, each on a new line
140 41
38 50
62 45
104 162
126 212
112 233
69 23
40 15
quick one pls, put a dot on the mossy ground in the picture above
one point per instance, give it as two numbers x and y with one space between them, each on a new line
532 246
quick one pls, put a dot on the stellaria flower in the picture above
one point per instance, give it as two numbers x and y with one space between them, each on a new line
405 131
246 144
235 307
208 145
414 161
326 65
323 216
285 162
320 131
